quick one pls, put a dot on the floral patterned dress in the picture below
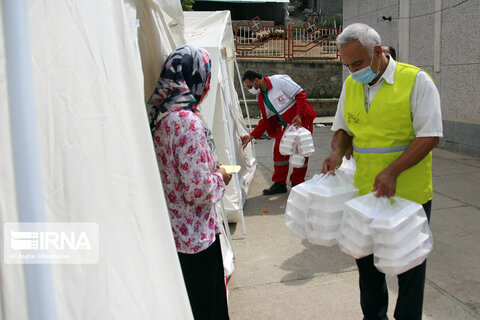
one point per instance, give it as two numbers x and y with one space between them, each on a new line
191 187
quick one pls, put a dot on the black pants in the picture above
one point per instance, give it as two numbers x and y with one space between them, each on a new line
204 279
374 294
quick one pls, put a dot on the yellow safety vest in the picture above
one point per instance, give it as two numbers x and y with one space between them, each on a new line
383 133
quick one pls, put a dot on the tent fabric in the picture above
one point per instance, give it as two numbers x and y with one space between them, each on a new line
97 158
173 17
162 20
221 108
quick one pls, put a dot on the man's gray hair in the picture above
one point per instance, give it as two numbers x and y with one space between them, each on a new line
366 35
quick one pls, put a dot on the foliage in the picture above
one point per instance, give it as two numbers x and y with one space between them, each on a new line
331 21
187 5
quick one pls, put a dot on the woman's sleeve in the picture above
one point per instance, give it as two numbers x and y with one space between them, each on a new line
195 161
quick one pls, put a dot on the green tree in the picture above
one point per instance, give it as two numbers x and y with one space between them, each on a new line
187 5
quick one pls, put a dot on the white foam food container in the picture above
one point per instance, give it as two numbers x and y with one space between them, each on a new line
297 160
307 150
355 235
400 251
401 212
295 220
398 266
285 149
357 222
326 239
402 233
349 247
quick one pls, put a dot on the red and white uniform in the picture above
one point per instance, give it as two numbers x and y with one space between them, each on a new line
289 100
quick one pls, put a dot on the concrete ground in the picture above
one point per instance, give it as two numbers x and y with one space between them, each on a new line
278 276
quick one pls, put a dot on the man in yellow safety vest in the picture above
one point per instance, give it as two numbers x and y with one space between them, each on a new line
390 112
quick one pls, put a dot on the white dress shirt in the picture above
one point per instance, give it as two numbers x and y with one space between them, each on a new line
424 103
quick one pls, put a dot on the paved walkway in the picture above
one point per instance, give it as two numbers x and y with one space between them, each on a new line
278 276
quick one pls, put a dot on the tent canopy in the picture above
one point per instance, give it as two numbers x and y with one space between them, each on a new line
97 160
221 108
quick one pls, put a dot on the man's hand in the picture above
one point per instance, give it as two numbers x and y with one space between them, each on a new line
245 140
297 121
341 141
333 161
385 183
349 152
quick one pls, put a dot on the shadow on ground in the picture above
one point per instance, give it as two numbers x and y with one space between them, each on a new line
315 260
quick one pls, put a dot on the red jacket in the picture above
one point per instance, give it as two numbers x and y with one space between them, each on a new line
272 124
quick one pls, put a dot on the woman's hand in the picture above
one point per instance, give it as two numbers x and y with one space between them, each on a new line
226 176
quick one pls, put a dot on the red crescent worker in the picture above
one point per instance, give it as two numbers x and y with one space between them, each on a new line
281 102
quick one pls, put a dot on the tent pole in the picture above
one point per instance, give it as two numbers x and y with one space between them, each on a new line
28 184
244 99
227 228
243 92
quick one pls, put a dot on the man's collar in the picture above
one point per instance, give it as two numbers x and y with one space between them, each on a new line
269 83
389 73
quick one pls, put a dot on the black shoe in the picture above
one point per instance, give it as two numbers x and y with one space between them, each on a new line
294 184
275 188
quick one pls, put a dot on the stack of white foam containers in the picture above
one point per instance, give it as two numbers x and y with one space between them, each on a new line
348 167
324 217
298 143
305 142
296 160
288 141
395 230
298 204
356 236
402 237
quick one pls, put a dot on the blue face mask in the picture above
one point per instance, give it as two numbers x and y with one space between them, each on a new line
365 75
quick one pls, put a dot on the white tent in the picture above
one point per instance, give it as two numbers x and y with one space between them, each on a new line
221 108
97 161
94 66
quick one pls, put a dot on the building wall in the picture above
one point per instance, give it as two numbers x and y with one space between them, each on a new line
326 75
322 92
458 77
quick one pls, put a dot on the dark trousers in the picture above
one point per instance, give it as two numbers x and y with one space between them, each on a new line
204 279
374 294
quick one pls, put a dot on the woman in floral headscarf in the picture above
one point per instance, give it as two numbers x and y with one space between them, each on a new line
191 181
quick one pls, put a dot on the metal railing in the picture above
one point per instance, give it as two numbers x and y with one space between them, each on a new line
270 42
256 40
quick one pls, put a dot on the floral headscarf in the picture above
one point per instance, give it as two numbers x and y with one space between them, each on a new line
183 83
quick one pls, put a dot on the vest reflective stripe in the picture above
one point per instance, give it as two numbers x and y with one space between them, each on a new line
287 163
380 150
386 126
